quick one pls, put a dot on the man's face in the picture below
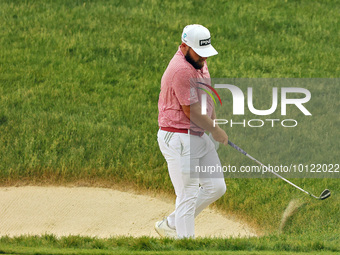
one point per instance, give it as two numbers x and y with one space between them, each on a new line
194 59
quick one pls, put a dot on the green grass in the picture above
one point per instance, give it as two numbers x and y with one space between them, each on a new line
85 245
79 84
24 250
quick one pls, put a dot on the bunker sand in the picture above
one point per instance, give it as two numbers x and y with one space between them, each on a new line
97 212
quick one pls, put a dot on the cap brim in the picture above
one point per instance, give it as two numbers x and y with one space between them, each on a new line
206 52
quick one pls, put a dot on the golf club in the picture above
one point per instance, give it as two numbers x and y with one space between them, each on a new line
325 194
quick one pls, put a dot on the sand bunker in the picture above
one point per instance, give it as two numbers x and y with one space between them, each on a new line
96 212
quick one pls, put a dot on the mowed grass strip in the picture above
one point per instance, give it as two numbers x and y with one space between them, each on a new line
79 84
64 245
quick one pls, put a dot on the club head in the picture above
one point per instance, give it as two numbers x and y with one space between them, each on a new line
325 194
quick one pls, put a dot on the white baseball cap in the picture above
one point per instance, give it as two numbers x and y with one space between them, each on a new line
198 38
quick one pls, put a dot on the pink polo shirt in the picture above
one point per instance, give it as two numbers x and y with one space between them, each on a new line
179 88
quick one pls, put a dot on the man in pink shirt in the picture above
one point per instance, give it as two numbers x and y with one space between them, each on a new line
181 136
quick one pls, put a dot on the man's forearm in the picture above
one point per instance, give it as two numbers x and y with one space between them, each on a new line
203 121
193 112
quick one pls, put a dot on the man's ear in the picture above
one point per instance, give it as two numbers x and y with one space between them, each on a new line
184 48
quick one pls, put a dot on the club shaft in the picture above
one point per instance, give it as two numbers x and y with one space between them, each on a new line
258 162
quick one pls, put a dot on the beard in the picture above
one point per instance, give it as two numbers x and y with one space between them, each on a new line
196 64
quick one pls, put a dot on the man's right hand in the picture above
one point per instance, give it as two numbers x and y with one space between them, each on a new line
219 135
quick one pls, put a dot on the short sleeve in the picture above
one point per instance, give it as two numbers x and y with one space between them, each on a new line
184 88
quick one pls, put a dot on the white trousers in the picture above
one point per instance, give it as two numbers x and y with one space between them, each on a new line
183 152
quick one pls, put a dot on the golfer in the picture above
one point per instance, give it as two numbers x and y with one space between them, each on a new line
181 136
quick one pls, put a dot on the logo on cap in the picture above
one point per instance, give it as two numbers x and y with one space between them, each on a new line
184 35
205 42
